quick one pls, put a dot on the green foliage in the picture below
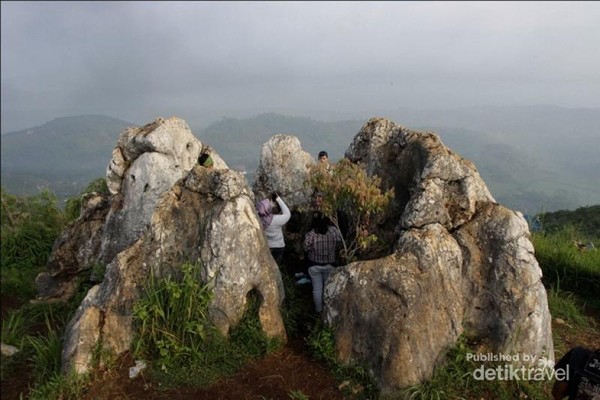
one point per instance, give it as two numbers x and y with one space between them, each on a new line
297 309
32 220
60 387
46 357
298 395
29 227
73 204
173 330
249 334
348 189
13 329
564 305
565 265
42 328
584 220
172 317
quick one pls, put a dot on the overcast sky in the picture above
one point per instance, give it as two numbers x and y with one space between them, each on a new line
204 60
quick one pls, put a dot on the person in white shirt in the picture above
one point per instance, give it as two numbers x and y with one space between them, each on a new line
273 224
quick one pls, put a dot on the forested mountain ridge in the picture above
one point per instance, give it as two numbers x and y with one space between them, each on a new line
544 164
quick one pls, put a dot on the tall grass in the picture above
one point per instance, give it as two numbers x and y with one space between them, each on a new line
46 353
176 335
567 267
29 226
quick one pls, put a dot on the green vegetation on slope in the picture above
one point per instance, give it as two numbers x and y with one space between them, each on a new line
584 220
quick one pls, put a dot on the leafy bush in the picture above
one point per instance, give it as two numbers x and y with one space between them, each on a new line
172 318
347 189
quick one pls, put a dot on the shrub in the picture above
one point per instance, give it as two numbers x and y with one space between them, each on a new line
347 189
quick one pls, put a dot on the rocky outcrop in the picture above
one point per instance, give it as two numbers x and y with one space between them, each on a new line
462 264
283 168
166 210
75 252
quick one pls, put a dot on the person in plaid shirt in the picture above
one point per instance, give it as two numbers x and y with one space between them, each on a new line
321 244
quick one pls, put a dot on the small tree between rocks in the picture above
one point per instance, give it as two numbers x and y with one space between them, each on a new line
351 198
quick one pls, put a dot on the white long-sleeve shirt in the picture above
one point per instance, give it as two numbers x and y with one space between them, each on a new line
273 232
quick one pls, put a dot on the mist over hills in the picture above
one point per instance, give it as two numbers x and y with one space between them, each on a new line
532 158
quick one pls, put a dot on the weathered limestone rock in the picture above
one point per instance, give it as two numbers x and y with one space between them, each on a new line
283 168
401 312
508 304
431 183
462 264
146 162
167 210
75 251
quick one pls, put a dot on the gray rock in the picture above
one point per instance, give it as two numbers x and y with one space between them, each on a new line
283 168
462 264
166 210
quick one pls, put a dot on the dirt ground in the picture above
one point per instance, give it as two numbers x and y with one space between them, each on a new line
289 371
273 377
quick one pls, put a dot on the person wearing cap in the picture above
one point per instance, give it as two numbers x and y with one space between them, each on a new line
206 161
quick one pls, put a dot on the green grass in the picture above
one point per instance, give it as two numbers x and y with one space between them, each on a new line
566 267
175 334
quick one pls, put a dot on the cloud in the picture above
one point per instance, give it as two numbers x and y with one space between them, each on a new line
137 60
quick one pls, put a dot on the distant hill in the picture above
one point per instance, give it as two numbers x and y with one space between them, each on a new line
585 219
527 166
240 141
64 154
533 159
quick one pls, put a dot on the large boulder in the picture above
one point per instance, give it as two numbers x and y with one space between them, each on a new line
462 264
283 168
166 210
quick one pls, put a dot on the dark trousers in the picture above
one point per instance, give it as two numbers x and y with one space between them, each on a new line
277 254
